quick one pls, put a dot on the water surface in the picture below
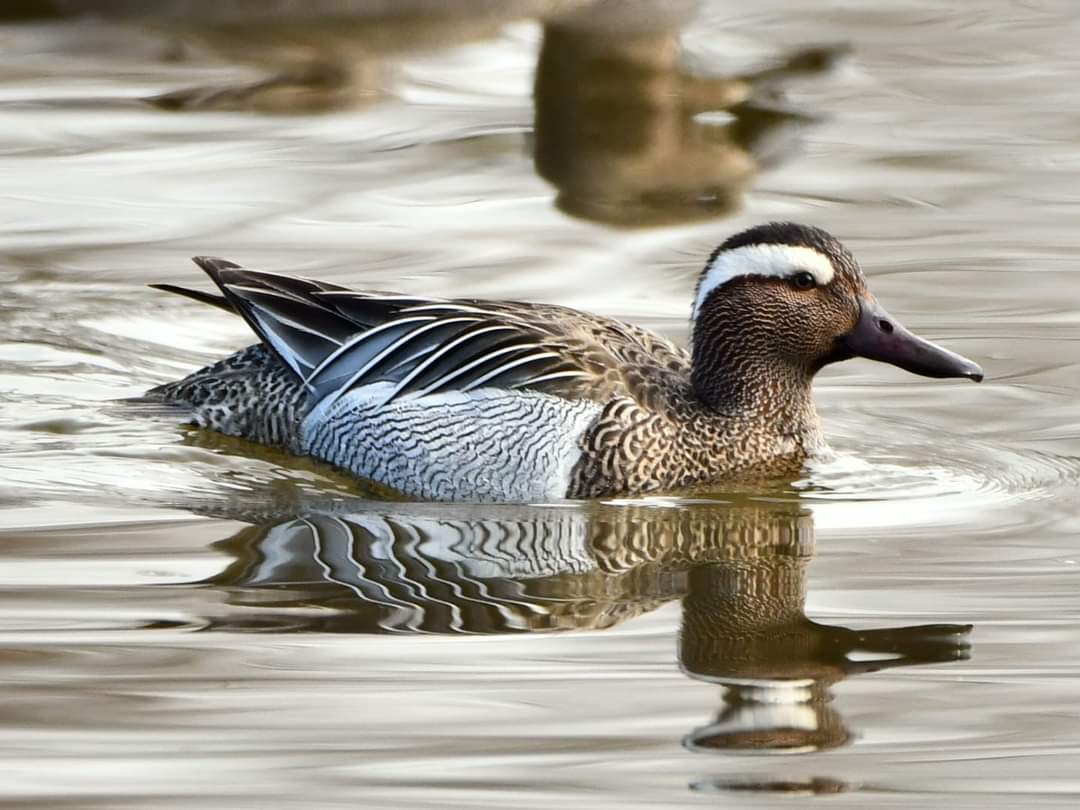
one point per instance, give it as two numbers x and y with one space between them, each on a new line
190 621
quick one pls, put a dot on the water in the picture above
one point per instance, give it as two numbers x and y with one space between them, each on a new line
188 621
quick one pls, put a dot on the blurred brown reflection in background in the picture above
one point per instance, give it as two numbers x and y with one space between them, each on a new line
624 131
739 570
622 127
316 55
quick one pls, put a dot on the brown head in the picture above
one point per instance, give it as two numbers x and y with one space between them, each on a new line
778 302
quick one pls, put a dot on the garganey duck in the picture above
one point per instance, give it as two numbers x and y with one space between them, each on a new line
504 401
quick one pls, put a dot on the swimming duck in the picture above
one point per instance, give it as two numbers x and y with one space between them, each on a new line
506 401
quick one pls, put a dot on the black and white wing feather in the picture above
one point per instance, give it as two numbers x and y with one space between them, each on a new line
336 340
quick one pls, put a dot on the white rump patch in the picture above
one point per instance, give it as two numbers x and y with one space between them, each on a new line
774 261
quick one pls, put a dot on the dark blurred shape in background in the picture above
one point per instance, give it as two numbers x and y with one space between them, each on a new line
28 10
623 127
316 55
627 134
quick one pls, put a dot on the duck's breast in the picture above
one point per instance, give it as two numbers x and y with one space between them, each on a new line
483 445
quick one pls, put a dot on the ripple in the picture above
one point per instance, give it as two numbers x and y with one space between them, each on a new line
934 480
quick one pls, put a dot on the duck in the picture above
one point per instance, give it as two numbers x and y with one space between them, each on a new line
505 401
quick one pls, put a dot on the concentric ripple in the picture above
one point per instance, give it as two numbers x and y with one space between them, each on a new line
932 480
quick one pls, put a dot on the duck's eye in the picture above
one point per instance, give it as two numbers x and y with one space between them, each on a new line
803 280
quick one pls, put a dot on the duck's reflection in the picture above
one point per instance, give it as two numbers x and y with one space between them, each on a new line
740 571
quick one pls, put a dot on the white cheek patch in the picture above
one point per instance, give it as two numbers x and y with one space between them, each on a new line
774 261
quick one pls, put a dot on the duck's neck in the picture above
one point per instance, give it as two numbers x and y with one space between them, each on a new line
733 382
780 398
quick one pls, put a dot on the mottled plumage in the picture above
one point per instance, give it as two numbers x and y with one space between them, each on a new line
483 400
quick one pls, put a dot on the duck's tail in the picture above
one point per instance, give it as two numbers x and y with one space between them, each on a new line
213 299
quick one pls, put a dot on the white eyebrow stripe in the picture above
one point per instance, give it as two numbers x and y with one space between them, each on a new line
776 261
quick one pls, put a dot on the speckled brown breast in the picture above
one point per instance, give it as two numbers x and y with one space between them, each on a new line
631 449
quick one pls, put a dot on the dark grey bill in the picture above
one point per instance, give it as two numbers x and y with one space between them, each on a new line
878 336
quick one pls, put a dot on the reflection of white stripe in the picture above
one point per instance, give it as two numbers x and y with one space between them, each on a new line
317 556
412 552
772 261
754 717
371 531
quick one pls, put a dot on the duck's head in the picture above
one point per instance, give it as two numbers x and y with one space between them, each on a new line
778 302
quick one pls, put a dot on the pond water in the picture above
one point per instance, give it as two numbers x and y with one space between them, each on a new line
191 621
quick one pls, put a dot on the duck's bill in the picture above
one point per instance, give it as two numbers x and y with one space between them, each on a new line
879 336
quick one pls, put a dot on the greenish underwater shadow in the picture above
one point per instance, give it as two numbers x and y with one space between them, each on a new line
739 570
